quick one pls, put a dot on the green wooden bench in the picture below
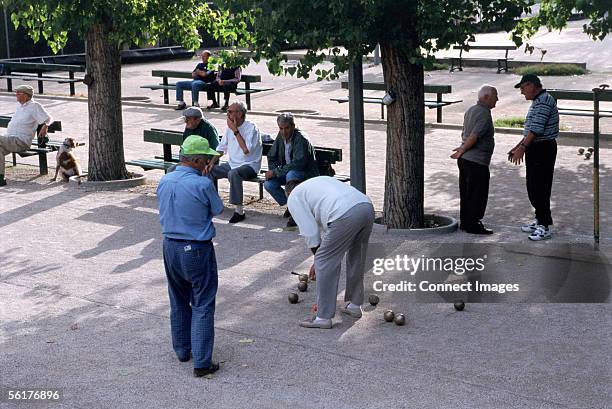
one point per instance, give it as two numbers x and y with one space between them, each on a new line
502 63
167 138
40 146
245 79
576 95
27 71
438 103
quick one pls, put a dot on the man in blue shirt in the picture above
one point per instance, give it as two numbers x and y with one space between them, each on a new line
539 148
187 203
201 76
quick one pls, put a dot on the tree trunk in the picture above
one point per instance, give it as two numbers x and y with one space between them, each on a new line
103 59
404 178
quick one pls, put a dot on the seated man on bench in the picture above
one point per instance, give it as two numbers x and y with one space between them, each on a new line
242 142
201 76
22 127
291 157
227 81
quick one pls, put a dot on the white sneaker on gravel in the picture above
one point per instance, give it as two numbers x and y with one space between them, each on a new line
530 228
541 233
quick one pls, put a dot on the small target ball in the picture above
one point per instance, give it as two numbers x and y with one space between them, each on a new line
302 286
304 277
399 319
373 299
389 315
293 298
459 305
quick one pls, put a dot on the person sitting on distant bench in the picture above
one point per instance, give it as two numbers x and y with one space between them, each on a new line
201 76
227 80
22 126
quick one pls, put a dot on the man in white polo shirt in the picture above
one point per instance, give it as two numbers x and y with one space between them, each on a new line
242 142
22 126
335 219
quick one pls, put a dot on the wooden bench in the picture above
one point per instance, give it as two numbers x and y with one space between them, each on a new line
40 146
502 63
438 103
325 156
575 95
245 79
27 71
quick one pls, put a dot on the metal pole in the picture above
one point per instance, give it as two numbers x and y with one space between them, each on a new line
357 144
596 167
6 34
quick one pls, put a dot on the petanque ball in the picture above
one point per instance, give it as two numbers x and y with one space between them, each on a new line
590 150
587 156
399 319
304 277
580 151
302 286
459 305
389 315
373 299
293 298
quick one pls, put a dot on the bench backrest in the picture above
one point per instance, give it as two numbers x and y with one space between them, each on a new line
468 47
55 126
187 74
38 67
578 95
380 86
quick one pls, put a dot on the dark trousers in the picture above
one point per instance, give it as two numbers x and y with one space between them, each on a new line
473 191
540 160
191 270
215 87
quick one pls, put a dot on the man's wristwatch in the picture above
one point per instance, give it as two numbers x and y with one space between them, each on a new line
236 132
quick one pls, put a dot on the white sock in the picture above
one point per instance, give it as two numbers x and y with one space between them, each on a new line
320 320
239 210
353 306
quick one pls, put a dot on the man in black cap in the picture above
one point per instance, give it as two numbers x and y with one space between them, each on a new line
539 147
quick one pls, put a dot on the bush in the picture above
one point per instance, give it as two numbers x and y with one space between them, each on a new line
550 69
512 122
437 66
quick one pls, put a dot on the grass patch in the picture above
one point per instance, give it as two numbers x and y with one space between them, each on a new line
512 122
550 69
438 66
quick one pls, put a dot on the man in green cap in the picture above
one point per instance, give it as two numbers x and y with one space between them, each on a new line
187 203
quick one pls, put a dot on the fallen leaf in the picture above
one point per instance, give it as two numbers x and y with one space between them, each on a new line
246 341
209 376
74 327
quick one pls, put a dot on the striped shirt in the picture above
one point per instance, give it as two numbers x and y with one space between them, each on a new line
543 118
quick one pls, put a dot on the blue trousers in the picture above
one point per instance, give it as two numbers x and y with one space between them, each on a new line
274 186
191 270
195 86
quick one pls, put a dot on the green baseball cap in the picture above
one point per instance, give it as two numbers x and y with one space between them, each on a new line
196 145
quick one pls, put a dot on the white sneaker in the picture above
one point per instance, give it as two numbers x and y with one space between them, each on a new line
541 233
530 228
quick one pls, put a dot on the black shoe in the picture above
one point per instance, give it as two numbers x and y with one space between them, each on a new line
237 218
213 106
224 108
181 105
291 222
477 229
199 372
2 181
286 214
185 359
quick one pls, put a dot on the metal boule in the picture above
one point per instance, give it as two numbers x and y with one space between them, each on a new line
293 298
389 315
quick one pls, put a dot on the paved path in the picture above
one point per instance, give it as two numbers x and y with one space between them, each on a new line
85 302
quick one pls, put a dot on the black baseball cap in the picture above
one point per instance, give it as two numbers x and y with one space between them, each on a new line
532 78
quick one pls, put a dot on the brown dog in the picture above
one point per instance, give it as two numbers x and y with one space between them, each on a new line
66 162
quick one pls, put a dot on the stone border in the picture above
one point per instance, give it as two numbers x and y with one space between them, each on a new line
80 182
448 225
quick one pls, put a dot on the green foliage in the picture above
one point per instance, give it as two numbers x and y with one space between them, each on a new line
436 66
511 122
140 22
550 69
230 58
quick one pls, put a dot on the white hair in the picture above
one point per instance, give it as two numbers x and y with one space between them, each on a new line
486 90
